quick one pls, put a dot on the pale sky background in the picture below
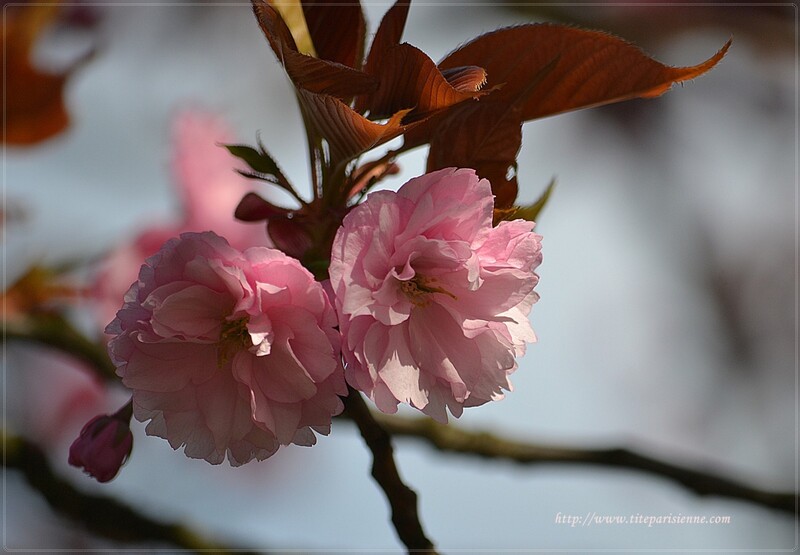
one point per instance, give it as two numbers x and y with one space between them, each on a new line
633 350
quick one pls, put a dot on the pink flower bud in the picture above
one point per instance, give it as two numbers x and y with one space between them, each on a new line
104 444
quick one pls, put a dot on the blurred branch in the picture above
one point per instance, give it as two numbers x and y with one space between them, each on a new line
103 516
53 330
402 499
484 444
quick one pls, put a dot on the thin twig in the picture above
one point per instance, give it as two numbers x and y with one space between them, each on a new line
484 444
402 499
103 516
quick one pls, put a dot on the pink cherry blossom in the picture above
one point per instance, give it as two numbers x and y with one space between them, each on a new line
228 352
209 187
104 444
433 301
205 175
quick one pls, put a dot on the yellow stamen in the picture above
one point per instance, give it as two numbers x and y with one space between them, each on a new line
233 337
418 288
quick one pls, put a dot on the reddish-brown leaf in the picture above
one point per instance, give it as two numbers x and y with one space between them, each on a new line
337 30
306 72
409 80
290 236
287 228
389 33
367 175
536 71
465 79
35 108
348 133
253 208
34 103
591 68
485 136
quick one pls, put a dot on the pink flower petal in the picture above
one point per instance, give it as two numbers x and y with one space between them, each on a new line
192 311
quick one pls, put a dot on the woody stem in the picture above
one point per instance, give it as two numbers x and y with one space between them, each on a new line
402 499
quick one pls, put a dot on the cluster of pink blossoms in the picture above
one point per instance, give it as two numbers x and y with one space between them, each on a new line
237 353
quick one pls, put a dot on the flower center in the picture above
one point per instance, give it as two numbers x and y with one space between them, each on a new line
233 337
418 289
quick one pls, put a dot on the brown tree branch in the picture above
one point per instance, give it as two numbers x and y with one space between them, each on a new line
484 444
402 499
103 516
59 334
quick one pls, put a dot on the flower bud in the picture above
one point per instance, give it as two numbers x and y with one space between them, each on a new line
104 444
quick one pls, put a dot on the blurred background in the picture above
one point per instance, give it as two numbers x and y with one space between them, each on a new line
667 319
